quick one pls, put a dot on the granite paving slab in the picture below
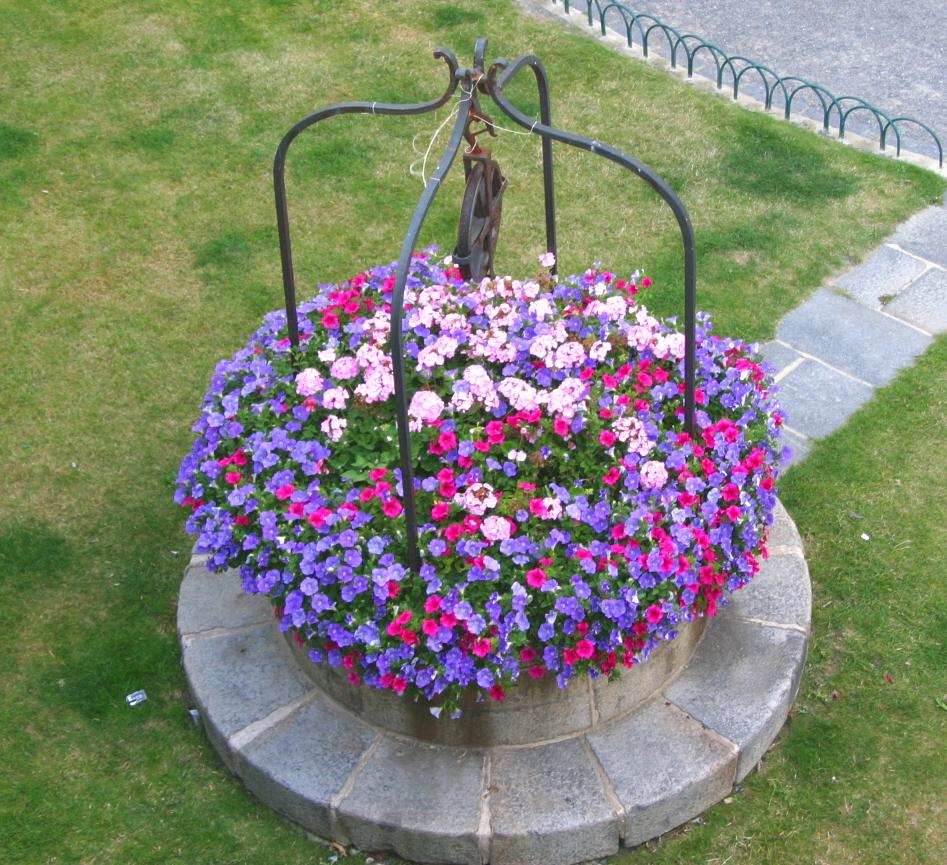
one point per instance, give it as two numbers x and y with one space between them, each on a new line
548 805
924 233
240 677
924 302
302 762
817 400
883 274
217 601
744 693
851 337
780 593
665 768
779 355
423 801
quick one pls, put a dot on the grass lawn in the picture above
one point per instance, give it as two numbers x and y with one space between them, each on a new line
138 246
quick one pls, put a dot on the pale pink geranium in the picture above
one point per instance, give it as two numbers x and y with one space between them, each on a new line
521 394
477 499
567 398
379 383
568 355
632 432
495 528
426 406
335 398
547 259
308 382
675 343
333 427
344 368
653 475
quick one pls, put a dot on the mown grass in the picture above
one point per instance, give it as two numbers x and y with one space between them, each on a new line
137 246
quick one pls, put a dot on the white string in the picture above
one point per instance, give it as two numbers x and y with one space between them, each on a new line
421 172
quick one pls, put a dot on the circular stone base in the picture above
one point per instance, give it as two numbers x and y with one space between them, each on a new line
620 781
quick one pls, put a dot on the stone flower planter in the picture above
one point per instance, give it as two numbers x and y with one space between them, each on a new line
545 778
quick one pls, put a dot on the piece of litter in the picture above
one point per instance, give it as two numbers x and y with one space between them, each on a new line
834 780
865 537
698 820
728 800
195 716
136 697
174 553
738 789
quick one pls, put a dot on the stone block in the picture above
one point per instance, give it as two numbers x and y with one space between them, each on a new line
783 532
240 677
851 337
818 400
885 272
664 767
301 763
924 303
422 801
925 235
548 805
741 683
211 601
780 593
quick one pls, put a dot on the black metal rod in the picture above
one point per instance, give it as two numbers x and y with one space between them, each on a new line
545 115
397 315
495 89
279 171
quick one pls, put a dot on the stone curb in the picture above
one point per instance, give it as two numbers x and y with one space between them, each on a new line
555 803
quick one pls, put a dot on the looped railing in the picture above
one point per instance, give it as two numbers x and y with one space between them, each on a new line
492 83
737 66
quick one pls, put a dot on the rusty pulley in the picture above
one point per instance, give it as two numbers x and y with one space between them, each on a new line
482 204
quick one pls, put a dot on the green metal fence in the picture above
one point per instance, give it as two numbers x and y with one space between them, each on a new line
684 48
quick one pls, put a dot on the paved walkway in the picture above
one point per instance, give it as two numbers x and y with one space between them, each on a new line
889 54
857 331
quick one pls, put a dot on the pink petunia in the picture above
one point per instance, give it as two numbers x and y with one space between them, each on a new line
585 649
654 614
432 604
536 578
391 508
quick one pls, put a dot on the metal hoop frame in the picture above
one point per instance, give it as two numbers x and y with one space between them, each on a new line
491 82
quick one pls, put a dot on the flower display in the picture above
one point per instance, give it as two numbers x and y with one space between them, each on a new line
567 521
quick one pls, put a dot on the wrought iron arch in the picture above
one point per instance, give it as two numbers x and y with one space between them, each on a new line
472 81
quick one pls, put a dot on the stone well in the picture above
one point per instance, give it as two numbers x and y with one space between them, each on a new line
545 778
